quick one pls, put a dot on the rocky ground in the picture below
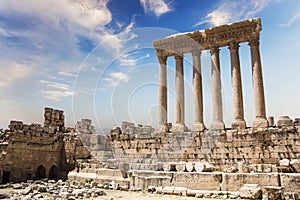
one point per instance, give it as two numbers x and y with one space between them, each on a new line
52 190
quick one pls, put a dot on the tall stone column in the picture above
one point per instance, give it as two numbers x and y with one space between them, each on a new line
217 123
179 126
163 107
258 86
198 95
237 93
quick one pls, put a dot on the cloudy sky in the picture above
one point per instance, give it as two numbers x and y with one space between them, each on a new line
94 58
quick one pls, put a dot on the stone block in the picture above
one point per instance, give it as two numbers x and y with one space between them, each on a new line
272 193
295 163
250 191
290 182
197 181
284 121
284 165
243 167
180 166
189 166
234 181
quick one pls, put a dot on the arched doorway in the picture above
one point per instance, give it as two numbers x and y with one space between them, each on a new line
40 172
53 173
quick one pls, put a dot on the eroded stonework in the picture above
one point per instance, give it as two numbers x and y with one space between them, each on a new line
34 151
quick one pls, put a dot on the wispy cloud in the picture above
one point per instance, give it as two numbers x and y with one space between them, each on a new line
113 79
56 95
230 11
9 101
127 60
55 85
158 7
295 17
56 91
68 74
13 72
120 76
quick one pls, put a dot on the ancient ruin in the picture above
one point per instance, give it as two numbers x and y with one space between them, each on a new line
36 152
256 162
212 39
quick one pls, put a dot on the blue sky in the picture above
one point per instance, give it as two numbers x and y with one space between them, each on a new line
94 58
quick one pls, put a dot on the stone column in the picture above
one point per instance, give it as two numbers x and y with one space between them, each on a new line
179 126
163 107
258 86
198 95
237 93
217 123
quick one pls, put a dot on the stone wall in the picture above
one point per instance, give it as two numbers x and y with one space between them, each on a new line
257 150
35 151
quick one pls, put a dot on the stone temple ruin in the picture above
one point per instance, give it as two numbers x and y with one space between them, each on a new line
246 162
35 151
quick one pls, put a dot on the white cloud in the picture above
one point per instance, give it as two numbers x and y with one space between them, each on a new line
291 20
126 60
12 72
55 85
91 14
9 101
158 7
230 11
119 76
56 95
68 74
56 91
113 79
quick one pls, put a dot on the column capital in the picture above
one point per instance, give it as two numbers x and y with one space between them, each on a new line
214 49
233 45
178 56
162 59
196 52
254 41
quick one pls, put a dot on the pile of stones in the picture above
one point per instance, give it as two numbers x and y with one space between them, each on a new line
52 190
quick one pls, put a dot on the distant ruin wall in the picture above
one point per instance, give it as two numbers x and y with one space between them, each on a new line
261 150
34 151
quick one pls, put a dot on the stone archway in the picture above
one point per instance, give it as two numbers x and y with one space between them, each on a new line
40 172
54 173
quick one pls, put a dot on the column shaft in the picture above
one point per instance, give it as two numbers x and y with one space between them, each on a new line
237 93
259 97
198 95
163 107
217 123
179 126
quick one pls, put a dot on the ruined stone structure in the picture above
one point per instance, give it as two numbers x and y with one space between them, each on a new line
212 39
246 161
35 151
176 161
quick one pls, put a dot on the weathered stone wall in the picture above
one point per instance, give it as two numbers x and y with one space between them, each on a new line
259 150
34 151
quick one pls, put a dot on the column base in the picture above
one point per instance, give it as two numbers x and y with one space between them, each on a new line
178 128
260 123
162 129
198 127
238 124
217 126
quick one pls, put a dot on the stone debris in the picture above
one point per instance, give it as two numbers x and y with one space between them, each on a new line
272 193
284 165
250 191
53 190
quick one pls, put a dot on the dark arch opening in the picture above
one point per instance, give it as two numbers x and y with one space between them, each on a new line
54 173
40 172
